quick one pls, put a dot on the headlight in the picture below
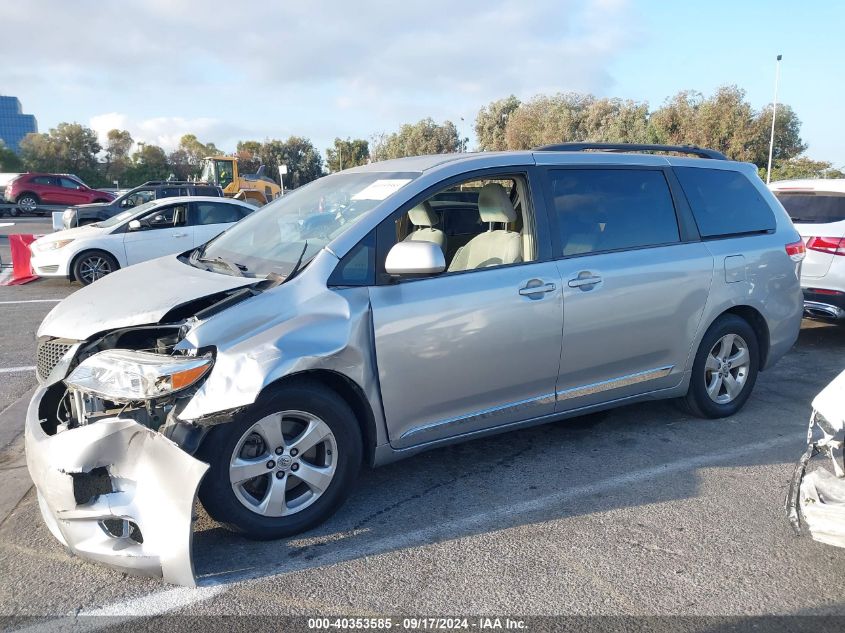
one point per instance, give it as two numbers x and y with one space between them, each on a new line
124 375
50 246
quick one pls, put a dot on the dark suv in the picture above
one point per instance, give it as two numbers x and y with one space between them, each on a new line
83 214
29 191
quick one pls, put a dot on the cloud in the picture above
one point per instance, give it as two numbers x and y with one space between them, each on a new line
166 131
322 66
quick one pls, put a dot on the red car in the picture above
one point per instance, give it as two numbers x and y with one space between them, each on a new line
28 191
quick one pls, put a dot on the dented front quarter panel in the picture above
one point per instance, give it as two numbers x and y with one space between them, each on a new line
153 485
296 327
820 494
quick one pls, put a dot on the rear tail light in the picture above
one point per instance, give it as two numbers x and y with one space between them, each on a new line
832 245
796 251
825 291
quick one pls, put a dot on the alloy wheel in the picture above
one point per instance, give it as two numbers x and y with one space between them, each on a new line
283 463
726 369
27 204
93 268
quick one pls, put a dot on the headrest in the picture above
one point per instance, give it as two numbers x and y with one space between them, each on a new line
423 215
494 205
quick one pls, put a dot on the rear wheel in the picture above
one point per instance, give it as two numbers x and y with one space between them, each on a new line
92 265
27 202
725 368
283 466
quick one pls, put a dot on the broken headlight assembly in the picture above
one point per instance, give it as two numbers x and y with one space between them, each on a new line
121 375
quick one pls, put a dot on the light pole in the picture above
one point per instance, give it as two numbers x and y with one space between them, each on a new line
774 118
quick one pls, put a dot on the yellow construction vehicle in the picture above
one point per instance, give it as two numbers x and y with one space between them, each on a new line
257 188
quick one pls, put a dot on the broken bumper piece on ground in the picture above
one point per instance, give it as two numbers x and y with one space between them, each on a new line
117 493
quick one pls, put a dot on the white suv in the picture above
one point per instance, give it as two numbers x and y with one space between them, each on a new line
817 208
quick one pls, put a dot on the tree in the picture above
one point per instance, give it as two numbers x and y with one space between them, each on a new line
423 137
491 121
149 162
348 153
69 147
9 161
727 122
615 121
118 145
186 159
249 156
802 167
548 119
303 161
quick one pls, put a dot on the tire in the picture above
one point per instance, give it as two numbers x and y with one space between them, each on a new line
27 202
248 507
92 265
725 368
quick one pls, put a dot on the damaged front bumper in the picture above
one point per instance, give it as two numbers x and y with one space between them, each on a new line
117 493
818 497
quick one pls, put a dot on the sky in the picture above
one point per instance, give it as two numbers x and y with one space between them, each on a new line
327 68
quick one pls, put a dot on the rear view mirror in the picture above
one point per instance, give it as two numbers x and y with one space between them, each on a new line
134 225
415 258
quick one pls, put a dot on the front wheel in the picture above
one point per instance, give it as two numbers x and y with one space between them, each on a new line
91 266
725 368
283 466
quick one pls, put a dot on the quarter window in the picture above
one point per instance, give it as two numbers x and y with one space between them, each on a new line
599 210
724 202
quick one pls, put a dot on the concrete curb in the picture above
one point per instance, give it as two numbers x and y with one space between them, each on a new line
14 477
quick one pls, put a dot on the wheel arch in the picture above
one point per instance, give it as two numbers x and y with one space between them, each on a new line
757 321
28 193
349 391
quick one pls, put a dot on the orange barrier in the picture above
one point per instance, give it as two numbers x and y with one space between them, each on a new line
21 268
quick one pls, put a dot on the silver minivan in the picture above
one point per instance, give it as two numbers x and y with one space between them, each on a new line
393 308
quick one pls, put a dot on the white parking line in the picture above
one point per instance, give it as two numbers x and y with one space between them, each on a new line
7 303
16 370
171 599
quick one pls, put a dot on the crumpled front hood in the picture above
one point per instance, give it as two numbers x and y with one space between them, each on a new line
137 295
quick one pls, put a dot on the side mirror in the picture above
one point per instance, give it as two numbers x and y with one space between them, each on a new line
80 188
415 258
134 225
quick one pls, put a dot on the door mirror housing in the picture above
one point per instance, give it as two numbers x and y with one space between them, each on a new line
415 258
135 225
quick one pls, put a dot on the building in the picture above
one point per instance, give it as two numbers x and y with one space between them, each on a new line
14 125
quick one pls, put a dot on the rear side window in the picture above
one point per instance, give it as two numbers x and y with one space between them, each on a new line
600 210
724 202
207 191
170 192
43 180
813 208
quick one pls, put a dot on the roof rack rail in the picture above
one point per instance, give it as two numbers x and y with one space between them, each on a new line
633 147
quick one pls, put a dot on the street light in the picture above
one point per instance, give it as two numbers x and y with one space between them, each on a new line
774 118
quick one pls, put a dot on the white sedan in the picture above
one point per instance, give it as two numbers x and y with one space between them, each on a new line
161 227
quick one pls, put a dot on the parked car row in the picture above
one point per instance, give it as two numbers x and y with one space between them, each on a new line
385 310
153 229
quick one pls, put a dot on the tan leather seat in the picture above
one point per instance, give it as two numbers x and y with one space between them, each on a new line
493 247
424 218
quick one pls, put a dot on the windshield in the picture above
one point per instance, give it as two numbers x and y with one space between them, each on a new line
813 208
296 226
125 215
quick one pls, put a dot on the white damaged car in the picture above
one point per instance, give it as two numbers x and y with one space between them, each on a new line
817 493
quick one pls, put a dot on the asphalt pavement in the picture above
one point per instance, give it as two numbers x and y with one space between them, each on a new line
640 511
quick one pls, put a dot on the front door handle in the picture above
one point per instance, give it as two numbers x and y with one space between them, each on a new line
539 288
580 282
180 235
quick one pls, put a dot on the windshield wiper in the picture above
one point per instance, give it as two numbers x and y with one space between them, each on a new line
298 263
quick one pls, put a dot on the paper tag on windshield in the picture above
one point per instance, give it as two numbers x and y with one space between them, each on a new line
380 189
